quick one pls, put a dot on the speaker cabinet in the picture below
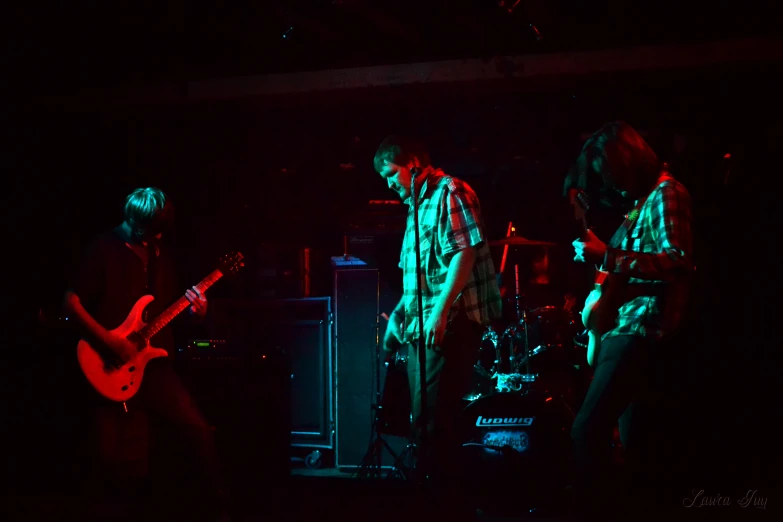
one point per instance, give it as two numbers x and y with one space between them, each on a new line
359 298
301 328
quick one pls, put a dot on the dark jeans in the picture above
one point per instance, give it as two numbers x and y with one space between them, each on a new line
449 370
172 413
618 392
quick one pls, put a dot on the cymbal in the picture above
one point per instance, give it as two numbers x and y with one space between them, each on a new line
519 241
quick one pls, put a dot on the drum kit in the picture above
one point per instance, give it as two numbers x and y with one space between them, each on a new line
533 344
528 379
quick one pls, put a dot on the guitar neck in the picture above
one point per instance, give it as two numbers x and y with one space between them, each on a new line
591 269
157 324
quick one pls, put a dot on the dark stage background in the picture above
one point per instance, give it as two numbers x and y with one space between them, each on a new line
269 177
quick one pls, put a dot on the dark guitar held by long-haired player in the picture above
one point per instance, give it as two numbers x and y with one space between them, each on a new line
638 300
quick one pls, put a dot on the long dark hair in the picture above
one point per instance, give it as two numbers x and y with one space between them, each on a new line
614 159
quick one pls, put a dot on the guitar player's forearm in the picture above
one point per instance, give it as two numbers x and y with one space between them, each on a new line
662 266
399 310
73 307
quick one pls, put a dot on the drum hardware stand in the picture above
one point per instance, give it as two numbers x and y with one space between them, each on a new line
527 344
505 360
370 466
517 295
492 336
522 318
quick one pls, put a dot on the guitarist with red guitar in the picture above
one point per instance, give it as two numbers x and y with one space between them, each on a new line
118 298
639 297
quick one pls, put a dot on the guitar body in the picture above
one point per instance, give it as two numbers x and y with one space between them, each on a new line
589 314
119 384
600 312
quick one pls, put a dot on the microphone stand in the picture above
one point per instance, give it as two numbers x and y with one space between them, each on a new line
371 464
422 462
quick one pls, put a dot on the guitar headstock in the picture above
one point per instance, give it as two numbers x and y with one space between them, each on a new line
230 263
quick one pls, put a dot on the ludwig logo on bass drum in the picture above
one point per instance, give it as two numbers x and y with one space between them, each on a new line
504 421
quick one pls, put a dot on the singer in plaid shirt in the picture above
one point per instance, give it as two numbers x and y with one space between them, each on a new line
449 221
459 294
651 255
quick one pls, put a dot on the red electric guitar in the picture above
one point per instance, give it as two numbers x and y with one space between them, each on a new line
601 306
120 381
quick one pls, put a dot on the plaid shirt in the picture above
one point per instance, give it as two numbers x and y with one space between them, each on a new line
449 221
654 254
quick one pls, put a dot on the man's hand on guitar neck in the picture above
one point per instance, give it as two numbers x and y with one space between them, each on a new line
590 249
198 302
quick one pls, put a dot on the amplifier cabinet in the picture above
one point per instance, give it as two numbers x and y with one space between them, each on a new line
302 329
359 297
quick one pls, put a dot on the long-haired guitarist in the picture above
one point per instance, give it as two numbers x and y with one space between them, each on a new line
120 267
639 302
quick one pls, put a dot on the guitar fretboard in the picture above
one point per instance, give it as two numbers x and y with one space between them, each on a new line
157 324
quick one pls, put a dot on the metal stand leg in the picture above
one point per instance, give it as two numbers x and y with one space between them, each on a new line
400 470
370 466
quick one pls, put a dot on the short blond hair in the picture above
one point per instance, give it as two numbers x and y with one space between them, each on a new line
148 211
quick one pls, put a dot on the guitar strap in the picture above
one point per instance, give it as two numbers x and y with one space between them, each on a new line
631 217
152 267
149 256
617 239
625 228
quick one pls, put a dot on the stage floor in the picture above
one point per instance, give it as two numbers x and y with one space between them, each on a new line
332 494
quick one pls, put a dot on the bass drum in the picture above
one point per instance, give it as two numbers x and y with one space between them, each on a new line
516 445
